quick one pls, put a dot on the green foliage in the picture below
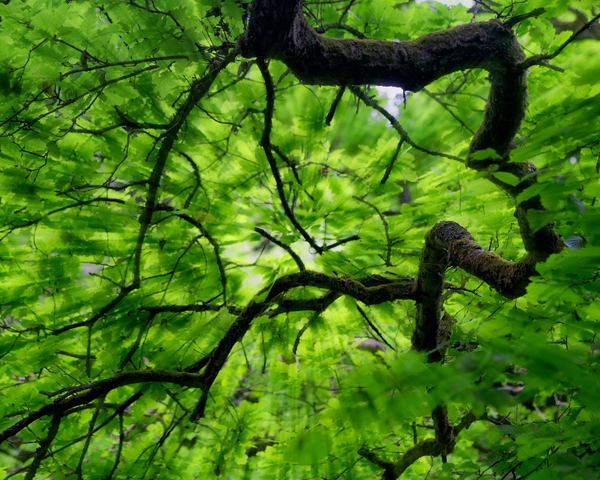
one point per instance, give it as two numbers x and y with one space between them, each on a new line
88 91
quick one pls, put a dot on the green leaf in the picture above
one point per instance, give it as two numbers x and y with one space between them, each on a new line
507 178
485 154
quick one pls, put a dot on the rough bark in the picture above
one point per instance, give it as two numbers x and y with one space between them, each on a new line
278 30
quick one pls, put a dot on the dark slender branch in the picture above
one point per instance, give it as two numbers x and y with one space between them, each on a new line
88 437
123 64
287 248
119 448
99 314
216 249
102 387
320 307
190 308
390 167
23 123
402 289
143 328
92 131
285 305
371 102
188 200
141 125
83 52
347 9
372 325
372 457
288 162
200 364
266 144
341 242
44 446
66 207
198 90
338 98
73 355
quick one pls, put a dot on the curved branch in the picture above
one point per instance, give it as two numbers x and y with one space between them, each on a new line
448 244
411 65
198 89
279 243
512 21
100 388
371 102
216 249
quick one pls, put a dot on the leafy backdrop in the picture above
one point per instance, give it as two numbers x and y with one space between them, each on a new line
215 259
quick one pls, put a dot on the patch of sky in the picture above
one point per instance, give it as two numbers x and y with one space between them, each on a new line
394 96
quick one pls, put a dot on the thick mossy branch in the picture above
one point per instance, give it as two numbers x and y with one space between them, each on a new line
278 29
448 244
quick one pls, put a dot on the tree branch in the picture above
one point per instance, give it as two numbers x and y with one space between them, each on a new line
388 257
99 388
266 144
539 59
198 89
279 243
371 102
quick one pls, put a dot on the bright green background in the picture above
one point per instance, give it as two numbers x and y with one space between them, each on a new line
67 246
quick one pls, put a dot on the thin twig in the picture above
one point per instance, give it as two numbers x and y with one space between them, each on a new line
371 102
364 315
216 249
341 26
123 64
266 144
456 117
338 97
388 257
287 248
539 59
341 242
289 163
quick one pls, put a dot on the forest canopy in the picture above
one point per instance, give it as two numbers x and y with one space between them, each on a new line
228 251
